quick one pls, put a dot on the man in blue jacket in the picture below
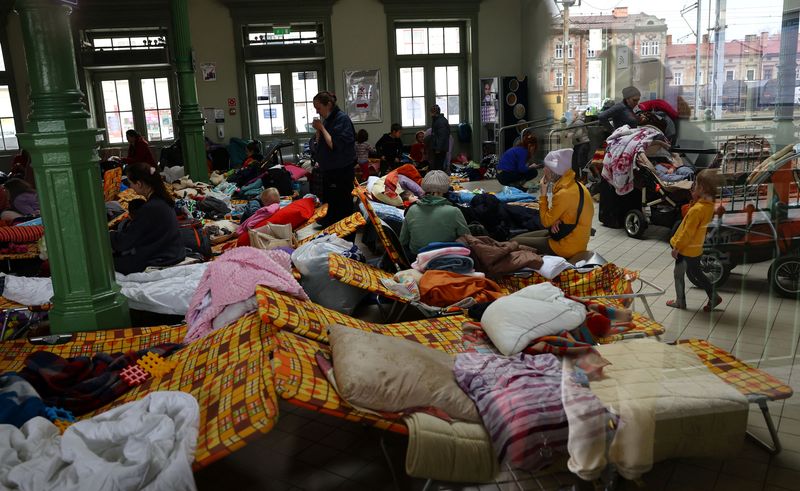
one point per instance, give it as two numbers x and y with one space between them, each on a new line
440 138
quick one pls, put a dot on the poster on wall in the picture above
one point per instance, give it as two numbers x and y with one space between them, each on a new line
362 100
489 100
209 72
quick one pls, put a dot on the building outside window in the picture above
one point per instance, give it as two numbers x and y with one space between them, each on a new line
559 54
768 73
570 51
751 74
559 79
677 78
571 78
729 75
649 48
8 128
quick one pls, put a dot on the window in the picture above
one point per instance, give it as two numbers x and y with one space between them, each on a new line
559 51
751 74
677 78
431 64
570 51
797 73
729 75
126 40
140 102
700 77
559 79
8 128
590 53
428 40
650 48
269 35
412 96
284 98
571 78
768 73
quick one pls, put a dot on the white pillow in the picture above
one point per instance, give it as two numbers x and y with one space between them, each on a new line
514 321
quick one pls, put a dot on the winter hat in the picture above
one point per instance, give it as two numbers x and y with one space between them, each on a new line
558 161
436 181
629 92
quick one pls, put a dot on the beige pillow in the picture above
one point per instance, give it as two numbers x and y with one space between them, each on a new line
385 373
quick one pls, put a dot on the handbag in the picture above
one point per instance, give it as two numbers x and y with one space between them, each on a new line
271 236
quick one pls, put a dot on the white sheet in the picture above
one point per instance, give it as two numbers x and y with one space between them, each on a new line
165 291
147 444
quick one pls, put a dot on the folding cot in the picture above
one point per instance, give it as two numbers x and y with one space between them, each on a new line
299 331
228 372
608 283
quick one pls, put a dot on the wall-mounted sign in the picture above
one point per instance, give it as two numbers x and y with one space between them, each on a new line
231 102
209 72
363 95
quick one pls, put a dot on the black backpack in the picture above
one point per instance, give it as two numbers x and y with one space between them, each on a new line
214 208
280 179
195 238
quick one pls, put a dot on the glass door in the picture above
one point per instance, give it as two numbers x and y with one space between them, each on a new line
282 99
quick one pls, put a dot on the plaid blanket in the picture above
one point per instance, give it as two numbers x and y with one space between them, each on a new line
82 384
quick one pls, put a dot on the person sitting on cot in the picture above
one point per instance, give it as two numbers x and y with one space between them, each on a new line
565 208
432 218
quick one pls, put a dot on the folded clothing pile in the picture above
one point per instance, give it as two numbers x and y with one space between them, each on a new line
444 256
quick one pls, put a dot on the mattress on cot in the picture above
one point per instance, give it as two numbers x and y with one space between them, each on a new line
695 414
228 372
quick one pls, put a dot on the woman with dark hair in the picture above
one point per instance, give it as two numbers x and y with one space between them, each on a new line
138 149
21 167
334 149
152 238
22 197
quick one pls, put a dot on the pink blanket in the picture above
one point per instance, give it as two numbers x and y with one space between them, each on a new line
624 145
232 278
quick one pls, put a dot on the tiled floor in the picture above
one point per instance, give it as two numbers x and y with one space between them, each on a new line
316 452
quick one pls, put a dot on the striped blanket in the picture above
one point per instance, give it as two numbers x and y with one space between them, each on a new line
519 400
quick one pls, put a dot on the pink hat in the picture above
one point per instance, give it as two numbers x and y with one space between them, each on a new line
559 161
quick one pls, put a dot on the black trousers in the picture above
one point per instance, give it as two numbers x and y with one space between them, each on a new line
337 189
438 161
690 266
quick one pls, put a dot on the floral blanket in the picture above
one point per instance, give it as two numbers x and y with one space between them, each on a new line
623 147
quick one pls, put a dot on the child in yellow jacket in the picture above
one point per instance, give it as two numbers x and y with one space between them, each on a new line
687 243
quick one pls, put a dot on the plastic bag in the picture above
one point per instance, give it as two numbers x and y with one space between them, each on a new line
307 257
272 236
312 261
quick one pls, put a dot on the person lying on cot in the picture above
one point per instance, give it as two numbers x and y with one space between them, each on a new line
565 208
22 198
268 197
432 218
152 238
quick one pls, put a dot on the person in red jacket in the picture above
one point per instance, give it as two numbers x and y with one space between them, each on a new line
138 149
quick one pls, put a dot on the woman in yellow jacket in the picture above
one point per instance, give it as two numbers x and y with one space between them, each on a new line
565 209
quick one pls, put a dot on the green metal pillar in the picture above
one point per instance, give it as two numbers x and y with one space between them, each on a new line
190 119
63 147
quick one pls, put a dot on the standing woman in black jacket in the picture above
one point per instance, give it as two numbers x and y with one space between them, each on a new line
334 149
152 237
440 139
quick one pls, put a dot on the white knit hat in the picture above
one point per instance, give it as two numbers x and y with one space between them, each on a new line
559 161
436 181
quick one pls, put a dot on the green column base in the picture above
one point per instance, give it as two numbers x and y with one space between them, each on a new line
92 313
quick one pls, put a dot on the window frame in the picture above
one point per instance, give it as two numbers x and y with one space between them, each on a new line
134 78
558 51
570 51
559 79
747 74
571 78
677 78
429 62
287 95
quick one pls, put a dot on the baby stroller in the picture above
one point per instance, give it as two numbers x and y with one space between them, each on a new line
661 202
758 221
